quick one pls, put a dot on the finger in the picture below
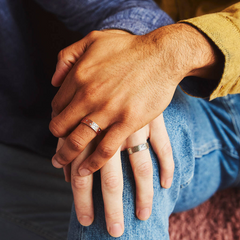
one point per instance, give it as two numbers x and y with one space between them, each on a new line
67 120
112 189
63 97
143 174
67 173
76 142
67 169
82 191
71 85
161 145
115 136
67 58
71 72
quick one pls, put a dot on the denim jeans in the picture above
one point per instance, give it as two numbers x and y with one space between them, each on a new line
35 202
205 141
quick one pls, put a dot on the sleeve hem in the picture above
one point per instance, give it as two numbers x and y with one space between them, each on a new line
218 28
137 21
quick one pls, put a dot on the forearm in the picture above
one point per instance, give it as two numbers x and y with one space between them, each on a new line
182 50
138 17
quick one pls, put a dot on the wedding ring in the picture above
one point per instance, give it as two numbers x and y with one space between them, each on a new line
92 125
138 148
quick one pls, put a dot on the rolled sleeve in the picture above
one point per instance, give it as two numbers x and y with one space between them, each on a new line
223 29
137 20
138 17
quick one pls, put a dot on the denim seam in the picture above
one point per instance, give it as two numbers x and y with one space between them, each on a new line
227 101
187 183
80 234
29 226
237 180
215 145
230 107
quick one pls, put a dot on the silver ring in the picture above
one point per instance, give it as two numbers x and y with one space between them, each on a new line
92 125
138 148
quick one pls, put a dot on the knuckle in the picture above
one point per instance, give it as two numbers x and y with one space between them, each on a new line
89 95
93 34
84 209
94 165
166 150
146 198
80 183
62 158
144 169
81 73
61 54
111 182
167 170
55 106
116 215
106 152
76 143
56 129
149 196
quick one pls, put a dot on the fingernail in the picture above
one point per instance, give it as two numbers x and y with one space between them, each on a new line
116 230
56 164
84 172
85 220
168 183
144 214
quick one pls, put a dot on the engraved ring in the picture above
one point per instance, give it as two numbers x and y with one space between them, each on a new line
92 125
138 148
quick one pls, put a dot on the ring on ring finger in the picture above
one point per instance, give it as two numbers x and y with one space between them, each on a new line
94 126
138 148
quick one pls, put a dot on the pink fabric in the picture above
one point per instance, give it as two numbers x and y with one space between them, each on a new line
216 219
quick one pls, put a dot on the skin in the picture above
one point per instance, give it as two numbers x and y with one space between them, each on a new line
122 82
111 178
119 88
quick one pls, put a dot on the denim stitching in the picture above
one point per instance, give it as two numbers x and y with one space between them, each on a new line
215 145
187 183
30 226
80 232
229 104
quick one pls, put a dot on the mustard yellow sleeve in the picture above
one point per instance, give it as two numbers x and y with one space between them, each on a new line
223 28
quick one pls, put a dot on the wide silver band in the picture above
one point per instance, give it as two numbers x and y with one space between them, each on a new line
138 148
92 125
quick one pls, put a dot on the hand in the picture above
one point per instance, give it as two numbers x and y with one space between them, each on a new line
112 182
121 82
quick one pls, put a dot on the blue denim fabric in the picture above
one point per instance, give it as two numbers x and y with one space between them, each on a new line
205 140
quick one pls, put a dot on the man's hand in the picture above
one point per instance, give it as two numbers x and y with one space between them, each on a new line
121 82
112 179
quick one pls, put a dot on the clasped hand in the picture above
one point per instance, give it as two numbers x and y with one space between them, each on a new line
112 178
122 82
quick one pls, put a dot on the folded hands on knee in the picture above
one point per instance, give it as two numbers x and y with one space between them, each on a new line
123 83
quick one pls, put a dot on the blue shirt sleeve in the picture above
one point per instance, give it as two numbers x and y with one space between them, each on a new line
136 16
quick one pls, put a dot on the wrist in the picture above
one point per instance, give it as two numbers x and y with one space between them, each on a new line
183 51
208 61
